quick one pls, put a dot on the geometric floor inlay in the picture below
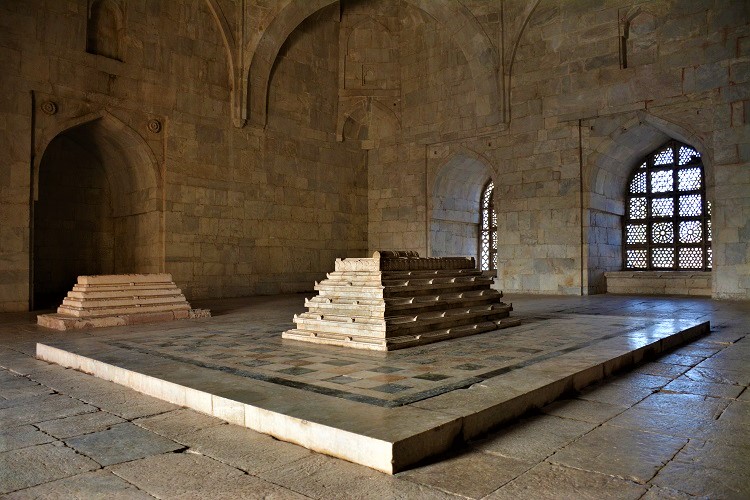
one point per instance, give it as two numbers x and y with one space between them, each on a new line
384 379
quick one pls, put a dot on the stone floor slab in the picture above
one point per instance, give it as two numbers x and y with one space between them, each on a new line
581 409
242 448
178 422
323 477
44 409
97 485
703 481
128 405
737 413
130 443
535 438
687 386
191 476
694 425
665 402
470 474
661 493
40 464
617 394
22 437
553 482
76 425
718 375
625 453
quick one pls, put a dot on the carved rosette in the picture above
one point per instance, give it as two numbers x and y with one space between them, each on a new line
154 126
49 107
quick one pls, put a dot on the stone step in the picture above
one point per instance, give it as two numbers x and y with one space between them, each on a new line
350 293
431 272
380 344
115 311
430 289
399 305
100 303
429 321
112 291
399 325
115 279
332 291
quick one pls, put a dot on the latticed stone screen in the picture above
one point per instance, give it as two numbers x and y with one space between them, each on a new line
668 219
488 232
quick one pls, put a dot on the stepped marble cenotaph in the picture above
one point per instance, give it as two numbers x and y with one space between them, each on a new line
120 299
396 299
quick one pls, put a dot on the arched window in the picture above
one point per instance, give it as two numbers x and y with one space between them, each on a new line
488 229
667 224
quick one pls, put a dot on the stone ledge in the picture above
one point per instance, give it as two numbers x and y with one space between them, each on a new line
697 283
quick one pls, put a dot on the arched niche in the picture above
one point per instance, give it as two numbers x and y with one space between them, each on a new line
105 29
365 68
369 121
97 207
607 171
455 205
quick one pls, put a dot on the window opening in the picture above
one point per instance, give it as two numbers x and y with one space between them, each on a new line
667 217
488 229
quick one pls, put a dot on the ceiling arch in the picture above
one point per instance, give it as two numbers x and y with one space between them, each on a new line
463 27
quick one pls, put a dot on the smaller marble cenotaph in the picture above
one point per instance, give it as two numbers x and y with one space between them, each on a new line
120 299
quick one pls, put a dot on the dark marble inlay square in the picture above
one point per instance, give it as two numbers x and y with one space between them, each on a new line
501 358
433 377
220 355
385 369
341 379
337 362
469 367
527 350
296 370
252 363
391 388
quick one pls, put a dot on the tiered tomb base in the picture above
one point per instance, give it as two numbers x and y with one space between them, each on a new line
398 299
120 299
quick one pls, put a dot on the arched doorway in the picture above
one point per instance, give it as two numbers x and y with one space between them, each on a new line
96 208
456 204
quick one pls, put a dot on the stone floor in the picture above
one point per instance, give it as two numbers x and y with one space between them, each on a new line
671 428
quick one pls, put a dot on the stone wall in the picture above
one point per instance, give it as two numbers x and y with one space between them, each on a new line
257 146
659 283
229 211
584 103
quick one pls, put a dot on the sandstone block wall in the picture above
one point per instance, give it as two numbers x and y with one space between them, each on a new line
256 146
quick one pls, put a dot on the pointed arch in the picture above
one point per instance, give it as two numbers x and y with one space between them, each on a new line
143 175
373 121
465 30
607 171
455 204
239 109
612 161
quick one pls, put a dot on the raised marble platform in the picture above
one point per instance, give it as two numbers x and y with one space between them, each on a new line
385 410
396 299
120 299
